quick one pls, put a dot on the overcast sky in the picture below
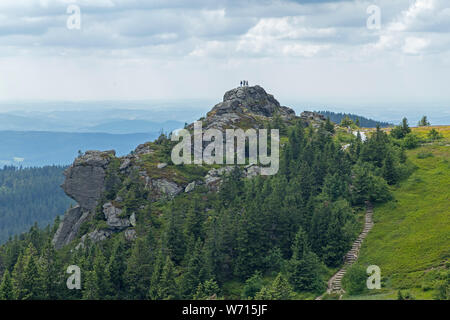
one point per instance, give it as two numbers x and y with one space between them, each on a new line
310 51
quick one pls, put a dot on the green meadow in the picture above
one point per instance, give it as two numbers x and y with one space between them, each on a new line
410 241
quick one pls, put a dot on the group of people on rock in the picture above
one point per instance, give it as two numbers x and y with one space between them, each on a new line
244 83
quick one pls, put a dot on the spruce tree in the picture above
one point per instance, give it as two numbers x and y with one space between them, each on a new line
90 288
167 288
208 290
18 277
51 277
389 171
139 269
305 274
193 274
280 289
32 287
6 287
116 270
100 274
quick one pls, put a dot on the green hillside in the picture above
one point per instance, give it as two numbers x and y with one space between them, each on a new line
411 237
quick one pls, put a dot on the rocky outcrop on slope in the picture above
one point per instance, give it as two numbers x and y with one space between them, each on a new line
69 226
85 178
85 183
245 107
113 219
312 118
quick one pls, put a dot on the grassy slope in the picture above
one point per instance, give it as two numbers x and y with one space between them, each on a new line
411 237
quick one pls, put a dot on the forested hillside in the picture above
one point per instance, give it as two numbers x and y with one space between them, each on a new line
29 195
362 122
146 228
273 237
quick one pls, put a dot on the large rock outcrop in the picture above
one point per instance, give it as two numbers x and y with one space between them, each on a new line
69 226
85 178
85 183
245 107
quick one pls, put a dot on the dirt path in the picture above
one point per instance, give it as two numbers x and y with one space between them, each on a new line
335 282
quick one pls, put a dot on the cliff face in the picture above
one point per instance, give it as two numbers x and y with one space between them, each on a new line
87 177
85 183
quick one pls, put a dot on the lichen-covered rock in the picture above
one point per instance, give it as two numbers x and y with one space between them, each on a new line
213 178
143 149
162 188
161 165
112 216
130 234
125 164
133 219
85 178
69 226
97 235
190 187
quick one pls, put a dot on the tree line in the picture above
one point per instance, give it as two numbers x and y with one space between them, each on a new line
28 196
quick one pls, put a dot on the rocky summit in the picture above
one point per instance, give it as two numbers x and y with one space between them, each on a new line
246 107
88 178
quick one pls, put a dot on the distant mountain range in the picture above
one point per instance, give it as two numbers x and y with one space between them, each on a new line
363 121
47 138
37 148
105 121
135 126
37 138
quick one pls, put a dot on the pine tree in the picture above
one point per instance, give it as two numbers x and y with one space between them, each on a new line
174 240
360 185
193 274
139 268
280 289
18 276
304 267
329 126
423 122
305 274
6 287
167 288
51 278
252 286
100 275
116 270
91 290
208 290
405 127
32 286
300 245
389 171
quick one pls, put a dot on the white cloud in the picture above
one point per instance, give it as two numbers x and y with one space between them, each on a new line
144 49
414 45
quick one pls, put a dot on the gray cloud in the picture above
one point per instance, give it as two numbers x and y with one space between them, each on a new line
147 40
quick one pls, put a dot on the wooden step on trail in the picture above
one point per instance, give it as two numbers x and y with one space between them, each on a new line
335 282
